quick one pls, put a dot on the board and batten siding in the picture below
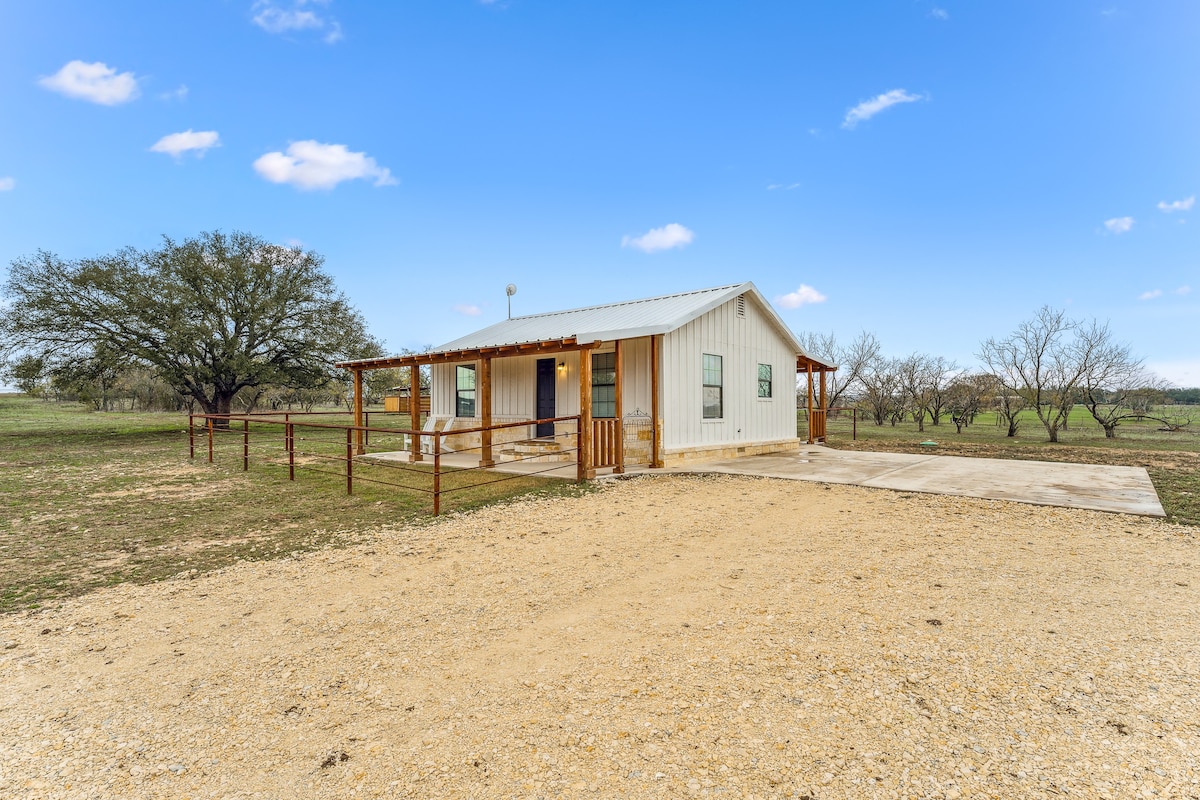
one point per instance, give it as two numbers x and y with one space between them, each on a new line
743 343
514 383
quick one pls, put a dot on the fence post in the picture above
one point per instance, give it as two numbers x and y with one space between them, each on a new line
367 432
578 449
191 437
210 440
854 436
245 445
437 473
349 461
290 434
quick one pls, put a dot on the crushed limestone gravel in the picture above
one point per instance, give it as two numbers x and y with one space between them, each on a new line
661 637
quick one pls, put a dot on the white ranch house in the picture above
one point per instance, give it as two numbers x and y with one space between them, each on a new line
659 381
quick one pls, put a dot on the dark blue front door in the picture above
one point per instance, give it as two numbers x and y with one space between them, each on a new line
545 396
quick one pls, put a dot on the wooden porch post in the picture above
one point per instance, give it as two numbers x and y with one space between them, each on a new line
585 413
810 403
485 413
619 363
414 409
824 403
655 368
358 410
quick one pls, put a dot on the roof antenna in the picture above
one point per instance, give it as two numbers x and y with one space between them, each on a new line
510 290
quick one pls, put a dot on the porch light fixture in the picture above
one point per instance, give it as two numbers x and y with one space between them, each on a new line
562 366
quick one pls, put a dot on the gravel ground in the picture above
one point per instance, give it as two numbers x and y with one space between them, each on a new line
662 637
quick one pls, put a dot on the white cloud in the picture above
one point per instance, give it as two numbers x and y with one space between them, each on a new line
1177 205
1183 290
940 13
869 108
313 165
803 296
175 94
787 187
468 310
179 143
1150 295
274 17
96 83
1119 224
7 184
664 238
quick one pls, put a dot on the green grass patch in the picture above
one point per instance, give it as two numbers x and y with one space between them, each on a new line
91 499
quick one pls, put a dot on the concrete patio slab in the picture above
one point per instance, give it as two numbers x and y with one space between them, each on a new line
1123 490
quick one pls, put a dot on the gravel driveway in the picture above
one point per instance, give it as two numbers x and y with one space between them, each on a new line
661 637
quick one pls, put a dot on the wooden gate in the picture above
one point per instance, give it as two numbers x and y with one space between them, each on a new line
816 425
607 442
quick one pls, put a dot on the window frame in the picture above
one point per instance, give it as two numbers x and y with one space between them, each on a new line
705 374
609 366
769 382
461 392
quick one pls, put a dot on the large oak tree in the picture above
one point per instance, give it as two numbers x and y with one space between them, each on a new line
210 315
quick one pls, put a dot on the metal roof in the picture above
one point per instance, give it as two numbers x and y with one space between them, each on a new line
582 327
627 320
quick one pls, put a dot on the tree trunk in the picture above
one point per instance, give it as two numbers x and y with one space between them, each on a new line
1110 431
1012 427
1053 431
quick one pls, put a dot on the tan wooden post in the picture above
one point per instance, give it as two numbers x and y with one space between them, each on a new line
824 402
810 403
655 368
414 409
485 413
585 413
619 365
358 409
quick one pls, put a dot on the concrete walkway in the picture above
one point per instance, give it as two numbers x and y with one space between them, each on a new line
1124 490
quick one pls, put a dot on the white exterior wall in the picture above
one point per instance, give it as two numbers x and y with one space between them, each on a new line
514 383
743 343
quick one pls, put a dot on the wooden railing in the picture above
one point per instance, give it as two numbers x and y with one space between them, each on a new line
334 449
607 442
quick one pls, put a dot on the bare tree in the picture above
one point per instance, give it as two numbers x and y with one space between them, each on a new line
966 396
1042 361
913 376
1116 386
940 376
881 390
1008 407
851 360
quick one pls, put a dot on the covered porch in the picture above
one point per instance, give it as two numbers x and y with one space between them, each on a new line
492 435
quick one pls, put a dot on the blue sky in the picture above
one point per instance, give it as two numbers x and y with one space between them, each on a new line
932 172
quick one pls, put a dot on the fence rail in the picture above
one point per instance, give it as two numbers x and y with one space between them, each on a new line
339 449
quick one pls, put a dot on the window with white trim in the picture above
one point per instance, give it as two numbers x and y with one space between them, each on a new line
464 390
714 387
764 380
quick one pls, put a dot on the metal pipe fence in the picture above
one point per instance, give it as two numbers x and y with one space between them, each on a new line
330 448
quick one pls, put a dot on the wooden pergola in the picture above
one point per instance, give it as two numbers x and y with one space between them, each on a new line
483 356
817 411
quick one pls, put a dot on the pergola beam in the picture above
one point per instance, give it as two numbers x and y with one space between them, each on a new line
546 347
